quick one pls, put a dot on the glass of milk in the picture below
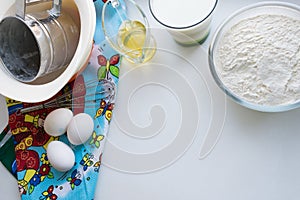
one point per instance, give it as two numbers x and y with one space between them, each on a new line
187 21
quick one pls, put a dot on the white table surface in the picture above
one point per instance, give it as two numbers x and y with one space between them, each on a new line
257 155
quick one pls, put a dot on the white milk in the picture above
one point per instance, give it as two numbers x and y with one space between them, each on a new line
187 21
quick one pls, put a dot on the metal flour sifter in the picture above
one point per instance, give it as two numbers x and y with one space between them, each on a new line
33 45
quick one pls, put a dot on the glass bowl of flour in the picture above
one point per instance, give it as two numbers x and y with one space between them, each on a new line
255 56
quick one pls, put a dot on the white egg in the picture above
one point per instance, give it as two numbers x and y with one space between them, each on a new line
56 122
60 156
80 128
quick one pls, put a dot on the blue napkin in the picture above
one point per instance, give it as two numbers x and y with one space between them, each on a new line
37 179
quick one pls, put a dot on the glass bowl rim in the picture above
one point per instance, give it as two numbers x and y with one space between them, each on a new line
212 66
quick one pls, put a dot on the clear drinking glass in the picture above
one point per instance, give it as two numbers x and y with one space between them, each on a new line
130 33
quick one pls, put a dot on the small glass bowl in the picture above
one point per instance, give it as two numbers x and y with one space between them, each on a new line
253 10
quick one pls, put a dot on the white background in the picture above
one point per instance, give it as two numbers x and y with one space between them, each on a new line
256 157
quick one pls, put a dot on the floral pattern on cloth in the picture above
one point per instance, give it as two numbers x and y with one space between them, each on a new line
37 179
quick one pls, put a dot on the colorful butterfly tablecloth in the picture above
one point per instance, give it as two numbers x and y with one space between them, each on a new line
37 179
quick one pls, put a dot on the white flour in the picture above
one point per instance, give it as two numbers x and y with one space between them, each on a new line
259 59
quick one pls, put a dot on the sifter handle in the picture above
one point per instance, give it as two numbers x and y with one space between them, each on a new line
21 7
56 8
